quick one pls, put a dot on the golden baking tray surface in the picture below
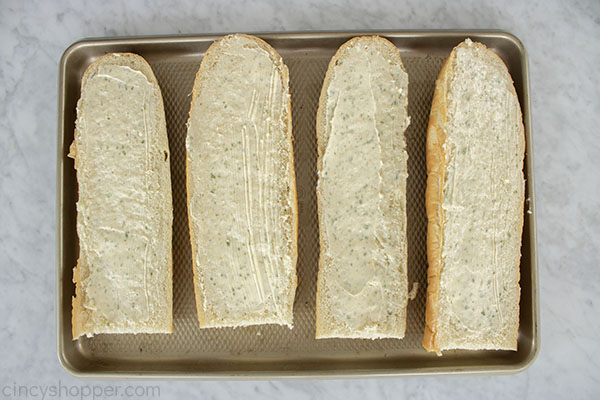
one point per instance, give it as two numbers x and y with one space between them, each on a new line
270 351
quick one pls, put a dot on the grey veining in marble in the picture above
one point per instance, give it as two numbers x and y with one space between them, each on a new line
564 55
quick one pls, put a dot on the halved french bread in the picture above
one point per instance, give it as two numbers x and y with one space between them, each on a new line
361 192
474 199
123 275
241 186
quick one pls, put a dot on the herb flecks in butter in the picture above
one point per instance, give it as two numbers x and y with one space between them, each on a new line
363 193
239 150
483 142
119 197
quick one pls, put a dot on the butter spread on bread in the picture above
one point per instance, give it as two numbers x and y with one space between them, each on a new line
241 186
475 196
124 213
362 167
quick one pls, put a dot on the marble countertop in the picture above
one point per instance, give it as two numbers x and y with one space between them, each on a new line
561 39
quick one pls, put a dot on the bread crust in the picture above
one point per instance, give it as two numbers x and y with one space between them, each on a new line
436 165
436 176
141 65
211 53
320 132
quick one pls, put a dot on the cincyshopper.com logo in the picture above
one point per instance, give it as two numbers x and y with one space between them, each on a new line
82 392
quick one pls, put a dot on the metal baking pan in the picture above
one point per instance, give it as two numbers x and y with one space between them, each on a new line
274 351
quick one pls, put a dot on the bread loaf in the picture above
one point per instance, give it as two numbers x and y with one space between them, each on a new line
361 192
241 186
474 199
124 213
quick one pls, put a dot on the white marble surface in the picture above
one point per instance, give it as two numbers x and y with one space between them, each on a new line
562 41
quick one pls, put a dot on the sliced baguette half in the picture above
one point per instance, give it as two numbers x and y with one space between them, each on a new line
474 199
241 186
361 192
123 275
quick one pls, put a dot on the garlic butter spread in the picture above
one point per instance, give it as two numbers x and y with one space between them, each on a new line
362 185
482 202
240 177
120 161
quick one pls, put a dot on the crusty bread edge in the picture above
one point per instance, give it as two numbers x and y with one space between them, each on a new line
77 328
284 73
436 166
198 294
321 126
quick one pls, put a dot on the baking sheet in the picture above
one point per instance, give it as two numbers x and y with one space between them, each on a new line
269 351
